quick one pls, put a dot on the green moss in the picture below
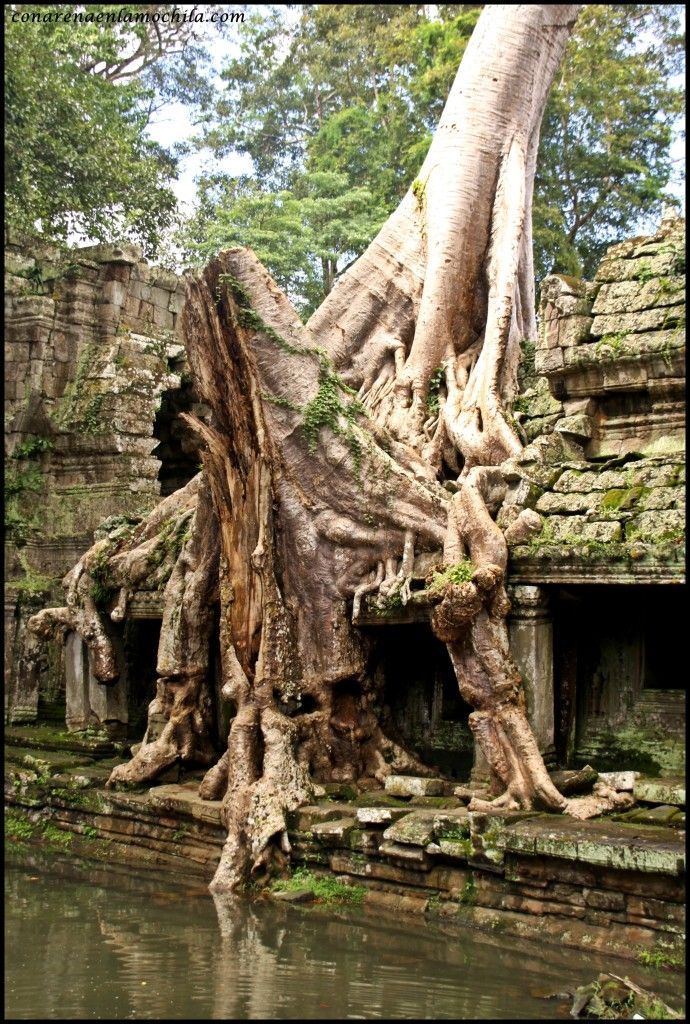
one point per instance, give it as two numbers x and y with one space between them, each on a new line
104 587
418 191
32 583
282 403
455 574
644 271
610 345
433 905
622 499
327 406
325 889
468 895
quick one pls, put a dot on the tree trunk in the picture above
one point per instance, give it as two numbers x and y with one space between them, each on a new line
326 468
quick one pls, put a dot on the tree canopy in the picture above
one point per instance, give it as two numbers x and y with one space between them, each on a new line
357 90
79 96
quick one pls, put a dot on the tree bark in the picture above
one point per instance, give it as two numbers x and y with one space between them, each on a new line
325 467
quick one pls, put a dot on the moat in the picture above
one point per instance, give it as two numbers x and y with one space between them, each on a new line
146 948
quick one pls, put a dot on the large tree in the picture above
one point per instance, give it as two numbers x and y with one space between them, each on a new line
323 477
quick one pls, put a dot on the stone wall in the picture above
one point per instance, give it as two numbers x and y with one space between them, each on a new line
601 406
92 350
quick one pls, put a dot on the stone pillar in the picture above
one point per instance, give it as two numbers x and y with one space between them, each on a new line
530 630
78 706
24 659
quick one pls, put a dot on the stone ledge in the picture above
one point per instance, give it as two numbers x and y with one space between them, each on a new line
650 850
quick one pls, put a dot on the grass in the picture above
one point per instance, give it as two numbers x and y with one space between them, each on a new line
325 890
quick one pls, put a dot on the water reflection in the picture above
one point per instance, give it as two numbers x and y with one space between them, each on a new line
106 945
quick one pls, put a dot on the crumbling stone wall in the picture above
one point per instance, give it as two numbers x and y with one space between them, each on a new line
92 343
601 405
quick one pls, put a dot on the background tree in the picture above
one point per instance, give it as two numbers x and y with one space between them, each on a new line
359 89
604 161
79 95
305 235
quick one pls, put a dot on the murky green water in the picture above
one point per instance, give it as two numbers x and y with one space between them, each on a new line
100 944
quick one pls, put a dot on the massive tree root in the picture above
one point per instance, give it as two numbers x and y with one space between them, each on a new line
175 547
326 462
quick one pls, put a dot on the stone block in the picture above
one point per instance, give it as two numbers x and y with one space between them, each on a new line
663 498
602 899
304 818
411 785
631 323
394 903
615 269
634 296
114 292
414 829
579 426
176 302
572 330
660 814
294 896
622 782
378 817
660 791
563 503
405 854
334 832
653 525
549 361
457 849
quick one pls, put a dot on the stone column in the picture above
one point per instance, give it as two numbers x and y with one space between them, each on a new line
78 707
530 630
24 659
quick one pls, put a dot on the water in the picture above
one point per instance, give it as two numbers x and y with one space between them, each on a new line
100 944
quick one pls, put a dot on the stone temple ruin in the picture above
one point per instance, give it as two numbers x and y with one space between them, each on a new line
96 377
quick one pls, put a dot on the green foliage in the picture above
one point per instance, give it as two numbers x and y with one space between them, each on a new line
326 889
79 96
57 836
21 509
17 825
468 894
326 410
32 583
658 958
305 236
604 156
32 448
436 381
455 574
